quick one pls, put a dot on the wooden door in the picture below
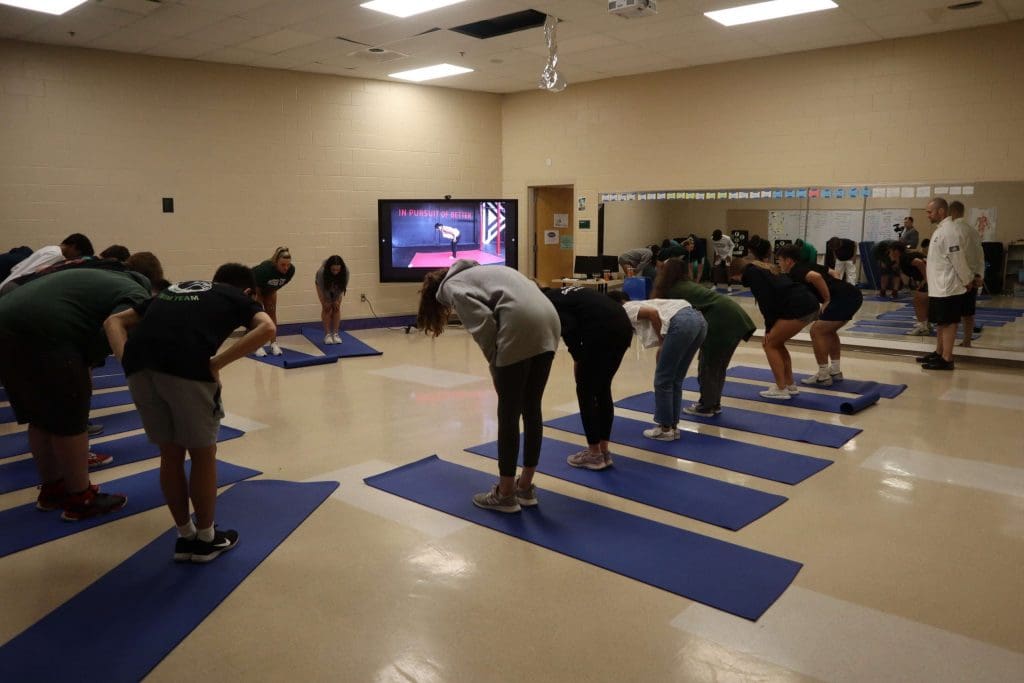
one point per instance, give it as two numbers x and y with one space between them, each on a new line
552 261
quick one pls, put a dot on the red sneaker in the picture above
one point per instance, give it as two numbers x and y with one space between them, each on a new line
90 503
99 460
51 495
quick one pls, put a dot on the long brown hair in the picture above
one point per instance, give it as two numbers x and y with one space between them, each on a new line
433 315
672 270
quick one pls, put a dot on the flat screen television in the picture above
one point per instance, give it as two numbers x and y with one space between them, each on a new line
417 236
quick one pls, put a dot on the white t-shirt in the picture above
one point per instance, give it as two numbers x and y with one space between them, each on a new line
644 329
948 273
723 249
42 258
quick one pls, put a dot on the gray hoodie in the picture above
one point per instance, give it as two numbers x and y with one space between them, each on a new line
507 314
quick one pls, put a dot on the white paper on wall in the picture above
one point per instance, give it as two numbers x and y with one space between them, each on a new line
786 225
823 225
878 223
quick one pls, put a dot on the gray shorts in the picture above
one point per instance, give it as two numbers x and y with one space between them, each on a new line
185 412
810 317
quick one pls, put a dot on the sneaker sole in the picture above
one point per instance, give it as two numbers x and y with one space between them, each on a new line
210 557
588 466
499 508
528 503
182 557
73 518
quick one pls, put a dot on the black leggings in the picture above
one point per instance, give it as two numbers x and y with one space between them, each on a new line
520 388
594 376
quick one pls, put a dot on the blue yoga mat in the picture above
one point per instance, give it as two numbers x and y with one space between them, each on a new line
896 332
823 402
888 299
744 293
722 575
908 319
290 359
108 400
24 526
690 495
349 348
1005 313
792 428
767 463
22 473
906 323
849 386
157 602
115 423
111 366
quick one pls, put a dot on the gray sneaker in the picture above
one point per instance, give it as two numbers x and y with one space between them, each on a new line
588 460
818 381
527 497
492 500
608 462
836 376
700 410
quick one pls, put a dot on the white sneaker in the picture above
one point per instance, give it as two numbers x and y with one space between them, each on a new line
775 392
275 350
793 390
918 330
261 352
337 338
817 381
660 433
836 376
328 339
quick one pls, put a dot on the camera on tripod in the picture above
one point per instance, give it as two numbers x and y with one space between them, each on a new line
898 228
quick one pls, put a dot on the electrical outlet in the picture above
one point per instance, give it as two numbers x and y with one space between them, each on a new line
362 297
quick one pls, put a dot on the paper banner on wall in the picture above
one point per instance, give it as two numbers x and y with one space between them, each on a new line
663 195
984 221
561 220
814 193
700 195
801 193
776 194
766 194
892 193
566 241
906 193
867 192
854 192
941 190
826 193
968 190
550 237
923 192
955 189
722 195
839 193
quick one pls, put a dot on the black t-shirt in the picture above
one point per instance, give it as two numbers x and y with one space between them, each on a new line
907 266
837 289
184 325
777 295
591 321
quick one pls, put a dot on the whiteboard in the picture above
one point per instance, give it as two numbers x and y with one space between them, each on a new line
786 225
878 223
822 225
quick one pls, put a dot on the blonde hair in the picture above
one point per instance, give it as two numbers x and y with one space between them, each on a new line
280 253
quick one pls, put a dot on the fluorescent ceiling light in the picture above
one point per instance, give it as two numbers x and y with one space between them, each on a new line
407 8
763 11
49 6
429 73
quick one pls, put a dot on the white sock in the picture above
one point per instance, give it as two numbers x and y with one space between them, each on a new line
206 535
835 367
187 530
823 371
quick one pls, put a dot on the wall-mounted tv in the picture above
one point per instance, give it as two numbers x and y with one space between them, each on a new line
420 235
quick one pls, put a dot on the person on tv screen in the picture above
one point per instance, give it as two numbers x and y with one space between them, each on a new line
449 233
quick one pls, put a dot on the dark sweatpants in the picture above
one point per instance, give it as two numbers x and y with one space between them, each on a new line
712 364
594 376
520 388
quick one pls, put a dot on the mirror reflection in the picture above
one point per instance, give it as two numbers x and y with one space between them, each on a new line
889 214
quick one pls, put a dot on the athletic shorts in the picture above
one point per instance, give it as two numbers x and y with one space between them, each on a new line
945 310
47 388
970 301
184 412
841 309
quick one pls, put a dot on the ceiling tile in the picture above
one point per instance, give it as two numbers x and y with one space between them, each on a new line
231 31
178 20
278 41
183 48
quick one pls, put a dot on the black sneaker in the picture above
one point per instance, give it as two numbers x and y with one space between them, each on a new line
90 503
93 428
939 364
223 541
929 358
183 549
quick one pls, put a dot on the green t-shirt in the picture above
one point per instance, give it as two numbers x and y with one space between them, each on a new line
727 321
269 278
67 309
808 254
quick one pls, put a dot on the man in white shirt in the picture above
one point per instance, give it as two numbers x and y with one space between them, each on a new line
948 278
449 233
722 247
74 246
970 239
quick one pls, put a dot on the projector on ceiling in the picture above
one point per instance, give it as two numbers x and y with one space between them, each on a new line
633 8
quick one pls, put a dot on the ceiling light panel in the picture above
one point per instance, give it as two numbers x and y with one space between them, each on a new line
763 11
429 73
57 7
407 8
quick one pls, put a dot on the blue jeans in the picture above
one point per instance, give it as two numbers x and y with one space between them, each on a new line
686 332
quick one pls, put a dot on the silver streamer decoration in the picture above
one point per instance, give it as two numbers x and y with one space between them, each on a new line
550 79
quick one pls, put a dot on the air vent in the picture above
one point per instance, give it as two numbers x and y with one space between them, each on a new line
965 5
503 25
377 55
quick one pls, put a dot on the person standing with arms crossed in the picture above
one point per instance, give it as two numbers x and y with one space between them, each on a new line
948 277
271 276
